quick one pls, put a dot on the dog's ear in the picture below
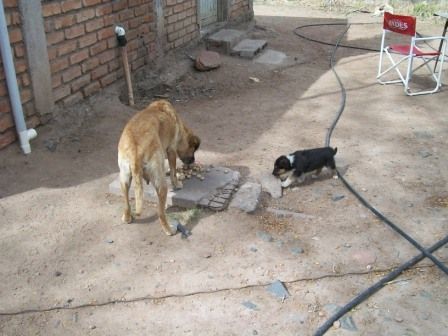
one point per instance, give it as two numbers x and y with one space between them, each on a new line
194 142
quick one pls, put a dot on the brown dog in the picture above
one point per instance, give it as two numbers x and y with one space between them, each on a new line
152 135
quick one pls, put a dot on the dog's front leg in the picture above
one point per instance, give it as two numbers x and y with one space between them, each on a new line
172 163
286 183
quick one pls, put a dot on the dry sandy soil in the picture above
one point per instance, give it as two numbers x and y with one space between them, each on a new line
69 267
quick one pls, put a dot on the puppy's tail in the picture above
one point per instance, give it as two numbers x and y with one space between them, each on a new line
138 187
335 150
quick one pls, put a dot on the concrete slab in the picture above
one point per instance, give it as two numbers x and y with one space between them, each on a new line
214 192
249 48
224 40
271 57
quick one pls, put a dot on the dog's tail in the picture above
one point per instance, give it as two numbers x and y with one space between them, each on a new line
335 150
137 175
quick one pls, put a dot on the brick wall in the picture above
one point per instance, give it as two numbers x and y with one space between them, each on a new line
180 22
7 128
240 10
82 47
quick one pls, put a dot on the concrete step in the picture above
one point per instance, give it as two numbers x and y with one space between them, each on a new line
224 40
248 48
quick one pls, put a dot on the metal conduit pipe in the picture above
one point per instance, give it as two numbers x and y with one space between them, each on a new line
25 135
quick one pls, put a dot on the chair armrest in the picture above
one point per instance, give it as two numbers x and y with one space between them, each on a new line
430 38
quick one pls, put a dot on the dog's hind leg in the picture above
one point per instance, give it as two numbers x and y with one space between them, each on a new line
172 162
137 173
156 173
125 183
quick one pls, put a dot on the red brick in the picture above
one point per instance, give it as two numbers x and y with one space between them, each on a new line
85 15
19 50
133 3
59 64
74 98
178 8
93 25
10 3
69 5
13 18
113 65
52 53
138 63
107 56
126 15
15 35
20 66
134 23
87 40
61 92
56 37
5 107
106 33
109 79
80 82
90 2
71 73
141 10
90 64
64 21
25 95
3 89
56 80
79 56
104 10
25 79
100 72
67 47
109 20
119 5
6 121
92 88
111 43
172 19
7 138
74 31
97 48
171 2
33 121
51 8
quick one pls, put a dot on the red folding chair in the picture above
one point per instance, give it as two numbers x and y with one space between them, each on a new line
402 53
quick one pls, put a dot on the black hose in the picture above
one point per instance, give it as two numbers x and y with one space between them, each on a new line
329 43
376 287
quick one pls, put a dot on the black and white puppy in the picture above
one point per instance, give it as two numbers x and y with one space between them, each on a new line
295 166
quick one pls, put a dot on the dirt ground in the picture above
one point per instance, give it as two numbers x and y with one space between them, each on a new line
70 267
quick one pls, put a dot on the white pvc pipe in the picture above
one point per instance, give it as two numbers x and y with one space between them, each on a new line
25 135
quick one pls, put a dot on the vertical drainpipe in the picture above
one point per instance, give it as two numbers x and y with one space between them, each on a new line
25 135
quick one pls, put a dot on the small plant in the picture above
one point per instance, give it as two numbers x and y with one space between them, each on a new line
424 9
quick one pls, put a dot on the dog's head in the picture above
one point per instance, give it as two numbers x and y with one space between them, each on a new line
281 166
188 147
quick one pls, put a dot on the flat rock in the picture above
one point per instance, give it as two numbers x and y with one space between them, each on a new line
194 192
271 57
281 213
271 185
247 197
278 289
207 60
